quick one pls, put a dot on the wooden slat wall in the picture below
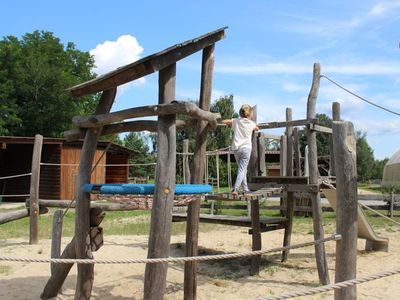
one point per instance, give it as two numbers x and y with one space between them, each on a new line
72 155
117 174
50 175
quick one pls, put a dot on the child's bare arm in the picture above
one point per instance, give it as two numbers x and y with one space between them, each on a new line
227 122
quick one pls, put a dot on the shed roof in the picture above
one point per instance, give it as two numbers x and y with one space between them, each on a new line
46 140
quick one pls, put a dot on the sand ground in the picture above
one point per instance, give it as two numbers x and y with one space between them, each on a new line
217 280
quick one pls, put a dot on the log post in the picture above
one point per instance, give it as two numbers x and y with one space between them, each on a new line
283 156
34 191
347 207
229 167
296 150
261 154
161 213
335 117
186 168
56 236
60 271
253 163
217 165
320 255
193 215
85 277
289 195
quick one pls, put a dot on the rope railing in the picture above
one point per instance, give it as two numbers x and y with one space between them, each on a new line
15 176
20 195
333 237
378 213
334 286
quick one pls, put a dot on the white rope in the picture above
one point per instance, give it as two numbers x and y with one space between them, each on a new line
15 176
334 237
377 212
334 286
21 195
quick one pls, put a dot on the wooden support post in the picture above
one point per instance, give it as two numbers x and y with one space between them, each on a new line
253 163
296 150
347 207
34 190
161 213
229 169
391 203
320 255
56 236
256 236
289 195
192 227
283 155
186 168
85 277
335 117
217 164
261 154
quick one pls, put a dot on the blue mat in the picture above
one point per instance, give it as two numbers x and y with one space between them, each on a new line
144 189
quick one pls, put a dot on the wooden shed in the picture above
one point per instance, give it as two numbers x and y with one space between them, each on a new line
59 166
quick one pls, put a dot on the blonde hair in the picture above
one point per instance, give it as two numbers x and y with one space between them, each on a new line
245 111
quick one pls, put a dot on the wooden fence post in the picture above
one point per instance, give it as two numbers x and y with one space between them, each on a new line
56 237
186 168
335 117
347 207
34 190
320 256
289 195
161 213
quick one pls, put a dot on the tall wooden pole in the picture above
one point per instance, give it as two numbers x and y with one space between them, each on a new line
289 195
283 156
296 150
347 208
161 213
320 255
85 277
34 190
193 215
261 154
335 117
186 168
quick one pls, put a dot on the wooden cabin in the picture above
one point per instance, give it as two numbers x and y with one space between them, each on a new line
59 166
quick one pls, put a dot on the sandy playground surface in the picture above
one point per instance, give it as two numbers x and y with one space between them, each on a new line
217 280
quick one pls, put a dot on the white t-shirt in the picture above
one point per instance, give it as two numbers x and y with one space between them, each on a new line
242 131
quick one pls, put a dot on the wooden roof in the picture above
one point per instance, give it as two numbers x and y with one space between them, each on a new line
46 141
147 65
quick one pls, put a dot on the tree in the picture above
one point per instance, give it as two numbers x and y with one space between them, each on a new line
139 143
377 171
34 75
365 157
322 138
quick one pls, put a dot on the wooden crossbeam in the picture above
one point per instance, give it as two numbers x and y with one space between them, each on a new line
186 108
147 65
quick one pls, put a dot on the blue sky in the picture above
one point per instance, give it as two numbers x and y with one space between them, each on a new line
265 60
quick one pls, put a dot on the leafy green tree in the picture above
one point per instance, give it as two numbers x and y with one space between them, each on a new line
35 72
365 157
322 138
139 143
377 171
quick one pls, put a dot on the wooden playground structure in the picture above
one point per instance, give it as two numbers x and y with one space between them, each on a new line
294 179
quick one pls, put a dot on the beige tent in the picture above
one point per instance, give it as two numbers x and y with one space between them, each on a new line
391 172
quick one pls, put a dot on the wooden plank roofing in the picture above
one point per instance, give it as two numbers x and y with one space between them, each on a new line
147 65
100 145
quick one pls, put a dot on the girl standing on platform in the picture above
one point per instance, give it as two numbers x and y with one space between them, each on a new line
243 128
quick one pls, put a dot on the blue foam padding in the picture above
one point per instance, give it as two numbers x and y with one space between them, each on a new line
144 189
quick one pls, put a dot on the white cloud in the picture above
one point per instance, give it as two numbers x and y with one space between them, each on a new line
110 55
389 127
380 9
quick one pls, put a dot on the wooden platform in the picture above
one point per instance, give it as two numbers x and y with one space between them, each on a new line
254 195
266 223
